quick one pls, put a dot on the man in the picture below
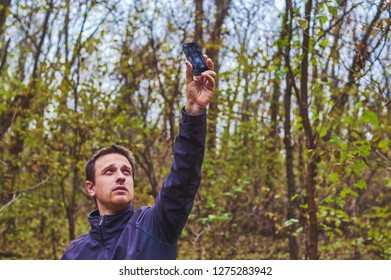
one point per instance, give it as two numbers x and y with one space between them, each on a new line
118 231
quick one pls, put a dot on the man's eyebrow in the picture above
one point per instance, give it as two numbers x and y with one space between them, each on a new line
124 166
107 167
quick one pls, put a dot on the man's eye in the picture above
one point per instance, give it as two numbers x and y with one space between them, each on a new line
108 171
126 172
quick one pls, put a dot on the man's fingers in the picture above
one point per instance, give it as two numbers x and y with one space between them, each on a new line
210 77
210 64
189 72
210 73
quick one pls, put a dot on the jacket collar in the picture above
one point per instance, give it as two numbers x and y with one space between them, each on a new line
106 226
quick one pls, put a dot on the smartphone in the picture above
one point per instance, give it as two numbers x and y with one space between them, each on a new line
194 55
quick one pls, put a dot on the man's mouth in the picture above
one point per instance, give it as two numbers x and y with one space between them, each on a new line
120 189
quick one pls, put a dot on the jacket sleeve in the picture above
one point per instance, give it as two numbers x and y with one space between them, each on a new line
176 197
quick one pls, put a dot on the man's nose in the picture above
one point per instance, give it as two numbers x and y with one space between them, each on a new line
120 177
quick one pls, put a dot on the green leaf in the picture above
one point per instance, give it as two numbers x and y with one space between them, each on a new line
349 119
346 191
333 10
323 19
3 107
211 217
376 136
340 201
359 105
365 150
361 184
304 206
342 214
371 117
290 222
339 231
323 132
324 43
303 23
294 197
388 183
383 144
334 177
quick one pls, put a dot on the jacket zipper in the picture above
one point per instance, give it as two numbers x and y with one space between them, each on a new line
101 227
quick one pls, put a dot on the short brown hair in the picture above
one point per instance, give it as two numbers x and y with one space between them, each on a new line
113 149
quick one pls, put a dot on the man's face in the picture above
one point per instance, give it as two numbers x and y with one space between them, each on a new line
113 189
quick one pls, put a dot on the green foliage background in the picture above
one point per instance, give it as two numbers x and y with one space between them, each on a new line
79 75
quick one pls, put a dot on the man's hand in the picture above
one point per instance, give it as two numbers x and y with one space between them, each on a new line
199 89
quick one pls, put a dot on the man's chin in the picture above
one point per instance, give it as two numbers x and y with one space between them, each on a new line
118 207
122 202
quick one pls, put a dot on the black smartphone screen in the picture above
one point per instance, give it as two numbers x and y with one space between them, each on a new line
194 55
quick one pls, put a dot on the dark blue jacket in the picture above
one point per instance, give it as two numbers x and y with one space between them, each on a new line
151 232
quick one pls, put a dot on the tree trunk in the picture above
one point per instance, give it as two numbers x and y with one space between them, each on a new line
290 176
213 51
4 6
199 14
312 250
22 102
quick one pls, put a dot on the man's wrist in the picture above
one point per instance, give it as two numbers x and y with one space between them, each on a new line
193 121
193 109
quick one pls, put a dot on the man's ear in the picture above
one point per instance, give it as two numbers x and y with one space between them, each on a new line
90 188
